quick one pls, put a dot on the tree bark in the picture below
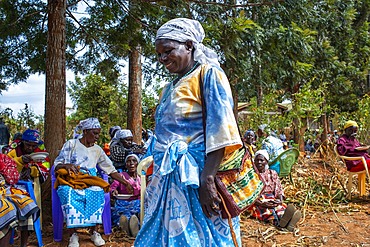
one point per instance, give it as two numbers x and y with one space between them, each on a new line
134 110
55 95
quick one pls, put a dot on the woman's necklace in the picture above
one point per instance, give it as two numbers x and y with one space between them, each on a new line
169 90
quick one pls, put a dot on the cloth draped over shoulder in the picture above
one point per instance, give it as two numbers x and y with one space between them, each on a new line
79 181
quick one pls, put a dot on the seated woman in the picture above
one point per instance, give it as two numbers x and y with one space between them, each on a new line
122 144
83 207
125 211
16 207
270 207
28 168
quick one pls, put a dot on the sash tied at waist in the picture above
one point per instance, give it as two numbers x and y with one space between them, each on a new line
179 155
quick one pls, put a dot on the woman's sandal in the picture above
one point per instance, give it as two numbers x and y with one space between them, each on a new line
293 222
287 216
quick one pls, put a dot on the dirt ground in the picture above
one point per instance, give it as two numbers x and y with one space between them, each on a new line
329 218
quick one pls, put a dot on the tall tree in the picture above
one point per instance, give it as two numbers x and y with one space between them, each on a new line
55 97
134 110
22 40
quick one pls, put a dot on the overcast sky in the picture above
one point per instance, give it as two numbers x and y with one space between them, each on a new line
32 93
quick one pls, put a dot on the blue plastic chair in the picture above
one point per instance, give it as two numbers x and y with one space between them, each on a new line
36 224
57 212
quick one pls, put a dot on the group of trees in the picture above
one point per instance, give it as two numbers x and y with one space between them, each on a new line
25 118
315 53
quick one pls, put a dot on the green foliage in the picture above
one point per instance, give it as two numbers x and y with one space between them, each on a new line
96 96
22 39
362 117
308 103
25 119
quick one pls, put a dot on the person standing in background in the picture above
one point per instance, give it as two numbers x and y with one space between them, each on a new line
4 133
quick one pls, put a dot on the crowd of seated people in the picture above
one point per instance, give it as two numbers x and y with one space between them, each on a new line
80 157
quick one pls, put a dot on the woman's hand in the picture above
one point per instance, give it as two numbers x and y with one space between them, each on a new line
25 174
362 148
122 180
26 158
69 167
208 197
129 188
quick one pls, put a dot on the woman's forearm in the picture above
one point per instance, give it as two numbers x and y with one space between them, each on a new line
119 178
212 164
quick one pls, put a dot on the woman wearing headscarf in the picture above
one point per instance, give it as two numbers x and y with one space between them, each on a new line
270 207
348 145
122 145
182 204
83 204
249 139
126 210
27 167
36 171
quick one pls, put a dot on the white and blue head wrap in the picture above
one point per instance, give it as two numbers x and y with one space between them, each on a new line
132 155
183 29
89 123
122 134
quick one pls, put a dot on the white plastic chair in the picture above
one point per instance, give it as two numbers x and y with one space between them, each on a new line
141 170
361 174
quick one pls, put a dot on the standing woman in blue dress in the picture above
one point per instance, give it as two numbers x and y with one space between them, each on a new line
182 205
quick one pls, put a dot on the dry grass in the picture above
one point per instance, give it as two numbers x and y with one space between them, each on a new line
318 189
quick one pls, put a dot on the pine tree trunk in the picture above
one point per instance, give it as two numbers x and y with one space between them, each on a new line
134 110
55 95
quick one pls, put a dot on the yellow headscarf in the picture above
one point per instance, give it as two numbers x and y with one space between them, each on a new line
350 123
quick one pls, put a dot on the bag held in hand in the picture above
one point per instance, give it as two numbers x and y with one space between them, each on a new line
238 183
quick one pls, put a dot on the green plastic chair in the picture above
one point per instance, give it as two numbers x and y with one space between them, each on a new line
286 159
